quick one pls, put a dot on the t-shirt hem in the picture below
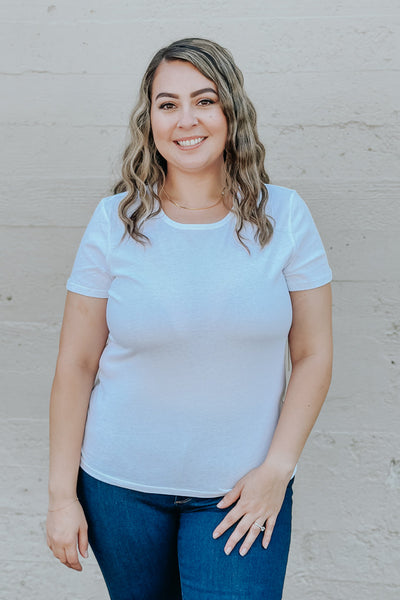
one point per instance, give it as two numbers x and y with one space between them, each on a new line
84 291
139 487
170 491
308 285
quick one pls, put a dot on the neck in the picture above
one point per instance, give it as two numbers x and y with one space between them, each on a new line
194 190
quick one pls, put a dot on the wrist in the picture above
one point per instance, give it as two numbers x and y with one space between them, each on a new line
283 468
59 495
62 506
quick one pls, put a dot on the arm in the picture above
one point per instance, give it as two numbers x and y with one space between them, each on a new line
83 336
310 345
259 494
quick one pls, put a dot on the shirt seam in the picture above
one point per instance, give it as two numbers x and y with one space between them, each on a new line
80 289
290 231
310 284
145 487
195 226
107 253
290 223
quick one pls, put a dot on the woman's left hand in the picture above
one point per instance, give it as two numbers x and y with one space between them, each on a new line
259 495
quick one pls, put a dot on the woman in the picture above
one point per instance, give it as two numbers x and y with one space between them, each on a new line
167 419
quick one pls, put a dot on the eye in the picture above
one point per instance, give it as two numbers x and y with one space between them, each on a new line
206 102
167 106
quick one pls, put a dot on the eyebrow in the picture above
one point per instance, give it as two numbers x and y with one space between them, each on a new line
192 95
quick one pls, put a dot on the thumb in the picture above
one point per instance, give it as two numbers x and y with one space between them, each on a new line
83 541
230 497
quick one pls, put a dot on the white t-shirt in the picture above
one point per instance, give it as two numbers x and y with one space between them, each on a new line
190 382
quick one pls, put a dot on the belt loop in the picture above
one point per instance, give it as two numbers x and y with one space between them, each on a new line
183 501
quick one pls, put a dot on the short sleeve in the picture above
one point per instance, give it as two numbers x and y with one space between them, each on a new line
90 274
307 266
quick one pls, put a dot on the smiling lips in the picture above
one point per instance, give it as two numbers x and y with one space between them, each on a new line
188 143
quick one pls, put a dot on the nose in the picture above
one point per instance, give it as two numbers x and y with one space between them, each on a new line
187 117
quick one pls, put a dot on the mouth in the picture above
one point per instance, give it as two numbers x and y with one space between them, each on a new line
189 142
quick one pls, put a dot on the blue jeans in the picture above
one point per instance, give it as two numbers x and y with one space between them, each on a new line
160 547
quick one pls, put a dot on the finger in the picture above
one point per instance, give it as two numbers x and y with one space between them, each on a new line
60 555
230 497
83 541
269 528
252 535
230 519
71 555
240 530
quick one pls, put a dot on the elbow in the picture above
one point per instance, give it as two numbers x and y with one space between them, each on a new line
319 366
76 367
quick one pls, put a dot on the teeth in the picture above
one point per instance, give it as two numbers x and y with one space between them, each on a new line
190 142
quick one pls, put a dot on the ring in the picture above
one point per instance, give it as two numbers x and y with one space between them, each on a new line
262 528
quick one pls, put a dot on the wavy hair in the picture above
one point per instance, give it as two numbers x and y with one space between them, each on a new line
144 169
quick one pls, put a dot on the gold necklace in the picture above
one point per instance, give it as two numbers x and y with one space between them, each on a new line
189 207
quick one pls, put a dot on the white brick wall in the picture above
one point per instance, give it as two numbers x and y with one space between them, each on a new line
323 78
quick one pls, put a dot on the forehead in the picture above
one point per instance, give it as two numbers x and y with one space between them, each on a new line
179 77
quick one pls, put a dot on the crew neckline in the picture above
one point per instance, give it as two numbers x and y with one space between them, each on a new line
178 225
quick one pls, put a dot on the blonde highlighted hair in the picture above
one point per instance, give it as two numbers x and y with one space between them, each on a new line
144 169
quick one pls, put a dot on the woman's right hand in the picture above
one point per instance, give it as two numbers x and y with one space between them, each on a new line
66 532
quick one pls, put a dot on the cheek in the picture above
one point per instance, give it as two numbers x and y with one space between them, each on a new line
220 124
158 128
221 129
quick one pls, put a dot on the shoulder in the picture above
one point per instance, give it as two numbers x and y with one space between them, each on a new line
107 212
280 204
279 195
110 204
